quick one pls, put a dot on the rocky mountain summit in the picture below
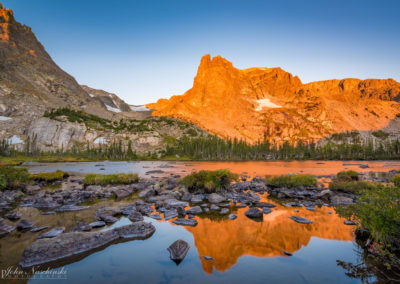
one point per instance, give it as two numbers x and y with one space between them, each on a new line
269 103
31 84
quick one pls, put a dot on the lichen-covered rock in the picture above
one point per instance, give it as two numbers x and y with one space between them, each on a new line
71 244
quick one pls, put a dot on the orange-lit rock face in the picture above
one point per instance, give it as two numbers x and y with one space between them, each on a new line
257 103
226 241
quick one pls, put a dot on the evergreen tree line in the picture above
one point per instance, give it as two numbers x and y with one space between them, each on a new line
214 148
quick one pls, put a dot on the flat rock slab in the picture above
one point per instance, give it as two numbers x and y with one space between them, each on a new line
170 214
44 251
232 216
265 204
38 229
52 233
215 198
97 224
266 210
185 222
71 208
301 220
5 229
178 250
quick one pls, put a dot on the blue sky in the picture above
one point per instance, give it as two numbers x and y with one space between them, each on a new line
150 49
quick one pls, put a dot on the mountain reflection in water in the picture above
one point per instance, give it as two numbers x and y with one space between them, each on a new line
227 240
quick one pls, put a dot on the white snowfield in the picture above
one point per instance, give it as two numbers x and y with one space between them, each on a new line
113 109
100 140
139 108
266 103
5 118
15 140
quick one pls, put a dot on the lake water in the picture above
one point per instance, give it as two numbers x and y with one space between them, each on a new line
243 250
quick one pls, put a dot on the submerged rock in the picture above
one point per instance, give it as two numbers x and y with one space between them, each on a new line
52 233
25 225
70 244
208 257
185 222
254 213
301 220
13 216
178 250
69 208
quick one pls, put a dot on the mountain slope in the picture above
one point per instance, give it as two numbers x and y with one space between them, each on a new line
257 103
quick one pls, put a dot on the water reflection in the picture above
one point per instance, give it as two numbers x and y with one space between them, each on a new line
227 240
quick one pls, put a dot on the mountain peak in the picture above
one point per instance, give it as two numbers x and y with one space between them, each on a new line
269 103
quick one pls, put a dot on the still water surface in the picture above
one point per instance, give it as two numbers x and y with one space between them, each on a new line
244 251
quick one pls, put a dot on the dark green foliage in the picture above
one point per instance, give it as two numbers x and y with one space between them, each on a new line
12 177
291 181
356 186
210 181
214 148
396 180
380 134
49 177
378 211
96 179
347 176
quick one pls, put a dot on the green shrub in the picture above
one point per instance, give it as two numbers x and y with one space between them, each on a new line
377 211
380 134
12 177
396 180
97 179
49 177
291 181
210 181
347 176
356 186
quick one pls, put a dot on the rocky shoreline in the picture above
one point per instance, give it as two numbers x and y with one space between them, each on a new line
158 198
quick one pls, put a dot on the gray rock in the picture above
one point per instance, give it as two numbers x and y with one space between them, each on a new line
156 216
310 208
5 229
254 213
25 225
52 233
214 207
97 224
301 220
264 204
224 211
175 203
341 200
287 253
266 210
185 222
170 214
13 215
350 223
72 244
215 198
241 205
194 210
186 197
38 229
135 217
128 209
232 216
69 208
82 227
181 211
178 250
208 258
110 219
147 192
198 198
145 209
